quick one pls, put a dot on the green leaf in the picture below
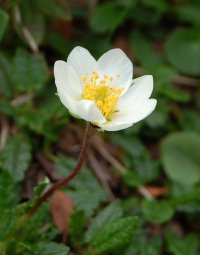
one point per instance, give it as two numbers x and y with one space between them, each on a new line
6 108
39 189
6 79
8 194
190 121
59 43
180 156
142 167
158 5
157 212
7 222
76 227
3 22
143 50
163 76
188 245
110 214
30 72
104 18
188 12
114 235
33 20
55 8
39 120
144 245
15 157
185 196
176 95
52 248
183 50
160 117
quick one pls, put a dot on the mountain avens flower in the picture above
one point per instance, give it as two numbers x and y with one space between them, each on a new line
103 92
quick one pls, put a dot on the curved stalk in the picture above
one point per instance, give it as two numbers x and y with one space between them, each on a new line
67 179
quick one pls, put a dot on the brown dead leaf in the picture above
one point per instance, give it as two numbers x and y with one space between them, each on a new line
61 209
157 191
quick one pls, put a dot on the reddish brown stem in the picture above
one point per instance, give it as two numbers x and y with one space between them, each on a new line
67 179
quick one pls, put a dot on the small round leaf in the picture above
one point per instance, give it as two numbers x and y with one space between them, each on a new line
183 50
180 156
157 212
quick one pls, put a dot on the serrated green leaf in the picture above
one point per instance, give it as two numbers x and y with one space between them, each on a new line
8 194
183 246
7 222
115 235
38 120
6 81
110 214
30 72
24 248
3 22
157 212
181 157
143 245
6 108
183 50
76 226
15 157
52 248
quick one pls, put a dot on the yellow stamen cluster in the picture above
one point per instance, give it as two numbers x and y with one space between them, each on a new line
102 92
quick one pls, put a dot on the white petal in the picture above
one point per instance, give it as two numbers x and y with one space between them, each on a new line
87 110
133 114
115 62
128 116
67 80
66 100
82 61
112 126
140 90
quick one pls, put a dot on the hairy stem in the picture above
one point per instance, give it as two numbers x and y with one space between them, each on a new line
67 179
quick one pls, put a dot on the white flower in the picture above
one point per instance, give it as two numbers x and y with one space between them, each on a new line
103 92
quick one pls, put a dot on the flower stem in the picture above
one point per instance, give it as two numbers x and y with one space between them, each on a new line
67 179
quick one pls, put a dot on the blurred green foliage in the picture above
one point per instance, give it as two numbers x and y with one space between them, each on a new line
158 196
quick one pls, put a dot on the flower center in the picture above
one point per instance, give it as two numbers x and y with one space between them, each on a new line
102 92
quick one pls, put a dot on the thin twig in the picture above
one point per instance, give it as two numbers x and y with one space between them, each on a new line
98 143
145 193
25 32
23 99
4 132
106 154
100 174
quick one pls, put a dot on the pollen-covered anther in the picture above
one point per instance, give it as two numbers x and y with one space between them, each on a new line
102 92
